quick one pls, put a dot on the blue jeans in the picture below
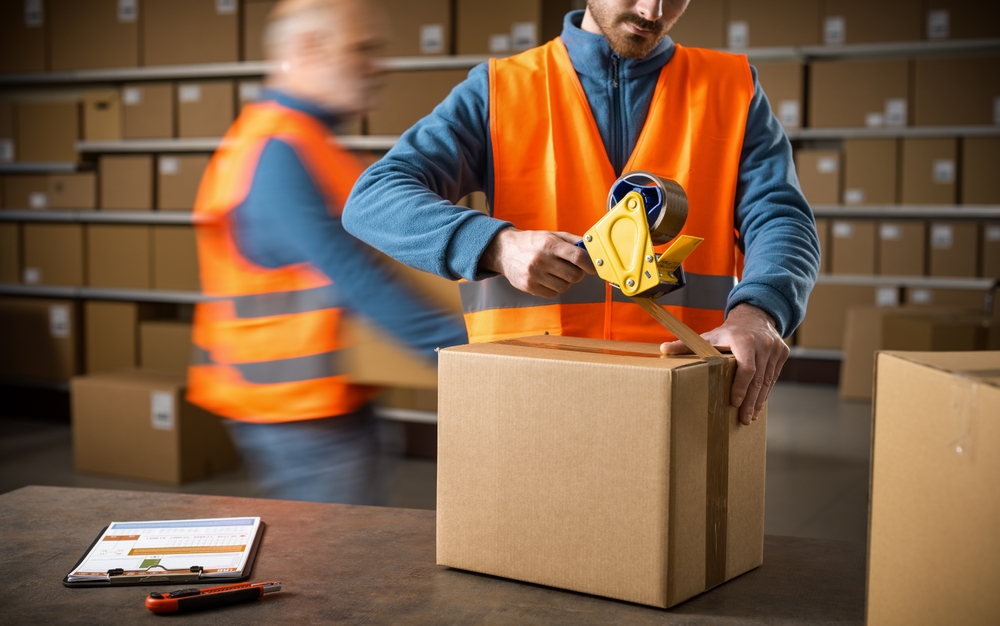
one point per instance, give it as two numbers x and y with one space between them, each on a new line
333 459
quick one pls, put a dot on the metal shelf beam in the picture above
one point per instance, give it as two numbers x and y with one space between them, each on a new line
98 293
798 352
923 282
54 167
950 212
893 132
99 217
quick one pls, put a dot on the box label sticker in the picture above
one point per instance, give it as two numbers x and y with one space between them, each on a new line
886 296
523 35
189 93
6 150
826 165
225 7
834 29
938 24
942 236
38 200
32 275
128 10
895 112
920 296
854 196
944 171
499 43
788 113
738 34
250 92
59 321
843 230
161 415
132 96
992 233
33 15
874 120
890 232
432 38
169 166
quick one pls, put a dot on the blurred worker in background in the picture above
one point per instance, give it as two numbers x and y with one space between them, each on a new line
282 272
545 133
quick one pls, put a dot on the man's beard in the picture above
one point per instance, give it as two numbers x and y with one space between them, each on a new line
623 42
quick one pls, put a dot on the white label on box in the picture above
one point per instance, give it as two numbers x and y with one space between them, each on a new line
996 110
942 236
32 275
59 321
886 296
189 93
38 200
826 165
834 29
992 233
895 112
944 171
128 10
161 414
499 43
738 34
921 296
843 230
890 232
523 35
225 7
432 38
132 96
854 196
874 120
938 24
6 150
169 165
788 113
33 15
250 92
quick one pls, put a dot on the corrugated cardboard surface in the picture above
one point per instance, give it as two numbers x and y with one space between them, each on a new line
826 314
784 85
53 254
102 115
777 22
902 248
409 21
409 96
953 249
22 41
205 108
189 31
10 252
933 540
991 251
876 22
541 449
947 332
114 433
968 300
39 338
844 93
126 182
148 110
111 335
819 175
48 131
924 171
93 34
26 191
703 25
870 171
177 180
968 19
72 191
175 258
980 183
853 247
956 91
119 256
165 346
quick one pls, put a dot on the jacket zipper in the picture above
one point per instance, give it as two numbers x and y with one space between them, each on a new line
616 113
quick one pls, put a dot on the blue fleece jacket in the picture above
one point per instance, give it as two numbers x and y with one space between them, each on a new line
284 220
404 203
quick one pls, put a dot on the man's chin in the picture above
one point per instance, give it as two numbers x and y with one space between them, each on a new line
633 46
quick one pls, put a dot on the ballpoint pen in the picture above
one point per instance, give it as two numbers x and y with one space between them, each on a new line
194 599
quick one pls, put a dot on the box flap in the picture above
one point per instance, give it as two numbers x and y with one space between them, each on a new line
981 366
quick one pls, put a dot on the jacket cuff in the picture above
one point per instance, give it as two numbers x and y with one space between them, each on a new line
768 299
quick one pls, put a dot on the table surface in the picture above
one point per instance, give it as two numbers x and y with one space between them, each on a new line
376 565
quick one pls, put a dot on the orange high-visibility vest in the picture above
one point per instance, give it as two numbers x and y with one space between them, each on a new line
551 172
266 341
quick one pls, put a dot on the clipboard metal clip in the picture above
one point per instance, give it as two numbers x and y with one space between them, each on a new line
155 574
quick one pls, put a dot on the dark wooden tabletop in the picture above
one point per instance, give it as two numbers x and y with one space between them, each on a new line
348 564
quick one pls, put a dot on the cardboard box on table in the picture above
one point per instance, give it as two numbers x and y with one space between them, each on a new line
72 191
703 25
819 175
419 28
784 85
929 171
119 256
48 131
980 184
954 249
176 32
175 258
177 180
902 248
126 182
39 338
138 425
545 442
148 111
165 346
102 115
956 91
53 254
93 34
859 93
254 20
860 21
10 252
23 36
933 545
870 171
762 23
26 191
962 19
205 108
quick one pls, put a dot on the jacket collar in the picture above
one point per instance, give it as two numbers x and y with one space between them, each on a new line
329 118
592 55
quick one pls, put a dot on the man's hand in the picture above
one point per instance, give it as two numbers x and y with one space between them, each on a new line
760 354
538 262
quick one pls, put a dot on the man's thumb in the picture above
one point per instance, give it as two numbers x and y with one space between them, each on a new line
674 347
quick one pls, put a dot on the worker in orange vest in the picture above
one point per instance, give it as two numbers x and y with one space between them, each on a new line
281 272
545 133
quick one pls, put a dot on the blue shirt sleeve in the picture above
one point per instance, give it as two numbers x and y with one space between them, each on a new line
284 220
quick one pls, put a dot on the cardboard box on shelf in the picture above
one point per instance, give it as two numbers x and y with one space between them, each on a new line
991 251
205 108
112 333
929 171
126 182
254 20
209 30
823 232
784 84
8 130
501 28
964 300
502 409
853 247
980 183
870 171
859 93
175 258
138 425
72 191
47 131
962 19
819 175
762 23
930 474
53 254
23 36
119 256
102 115
165 346
248 91
857 21
148 110
956 91
26 191
94 34
419 28
703 25
39 339
902 248
823 326
409 96
177 180
954 248
10 252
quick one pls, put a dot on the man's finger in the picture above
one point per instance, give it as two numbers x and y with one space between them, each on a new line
746 368
755 389
768 383
573 253
674 347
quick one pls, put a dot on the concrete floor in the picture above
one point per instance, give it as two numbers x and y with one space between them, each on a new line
817 465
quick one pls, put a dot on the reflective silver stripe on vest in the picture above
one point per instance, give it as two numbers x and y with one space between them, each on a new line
286 302
200 356
702 292
292 370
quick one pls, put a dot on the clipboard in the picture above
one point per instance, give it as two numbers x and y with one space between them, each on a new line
205 541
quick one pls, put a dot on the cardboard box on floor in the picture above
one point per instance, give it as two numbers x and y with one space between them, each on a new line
148 110
119 256
819 175
823 326
956 91
72 191
991 251
39 338
175 258
929 171
165 346
126 182
254 20
933 543
870 171
23 36
10 252
784 84
102 115
26 191
8 151
53 255
176 32
703 25
177 180
534 432
902 248
95 34
858 21
409 96
112 333
761 23
138 425
205 108
853 247
962 19
48 131
859 93
980 184
954 249
502 28
419 28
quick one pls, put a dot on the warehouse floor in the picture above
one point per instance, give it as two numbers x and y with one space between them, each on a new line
817 466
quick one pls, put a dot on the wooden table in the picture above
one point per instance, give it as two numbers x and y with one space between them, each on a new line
349 564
